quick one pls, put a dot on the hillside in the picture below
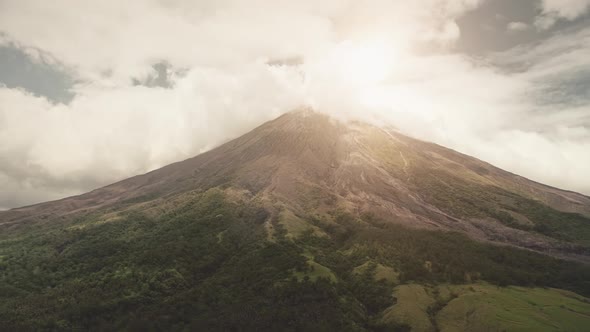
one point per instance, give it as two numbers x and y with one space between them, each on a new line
304 223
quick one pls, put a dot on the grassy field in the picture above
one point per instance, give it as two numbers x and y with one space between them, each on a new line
382 272
296 226
483 307
411 308
315 271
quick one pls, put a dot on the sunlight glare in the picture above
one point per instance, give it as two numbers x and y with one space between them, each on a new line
366 63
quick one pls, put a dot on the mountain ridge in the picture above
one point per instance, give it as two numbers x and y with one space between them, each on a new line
353 166
156 171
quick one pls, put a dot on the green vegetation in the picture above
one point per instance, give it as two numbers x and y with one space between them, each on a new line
560 225
207 264
411 308
295 226
482 307
172 272
314 271
434 256
463 198
382 272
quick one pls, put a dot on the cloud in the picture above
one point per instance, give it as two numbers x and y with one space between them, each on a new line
114 42
517 26
525 110
219 84
107 134
568 9
553 10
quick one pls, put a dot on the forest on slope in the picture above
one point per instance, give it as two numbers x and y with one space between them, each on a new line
208 264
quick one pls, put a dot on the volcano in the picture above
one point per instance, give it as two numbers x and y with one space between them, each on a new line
304 223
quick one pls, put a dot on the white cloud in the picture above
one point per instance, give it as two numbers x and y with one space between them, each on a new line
107 134
512 119
113 41
505 117
221 87
517 26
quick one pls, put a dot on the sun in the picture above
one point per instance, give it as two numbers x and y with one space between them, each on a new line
358 71
364 63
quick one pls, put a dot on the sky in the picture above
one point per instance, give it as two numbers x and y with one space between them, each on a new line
92 92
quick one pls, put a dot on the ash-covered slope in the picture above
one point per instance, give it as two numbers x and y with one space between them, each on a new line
311 164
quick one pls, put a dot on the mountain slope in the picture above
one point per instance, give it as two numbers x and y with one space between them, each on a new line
312 164
305 223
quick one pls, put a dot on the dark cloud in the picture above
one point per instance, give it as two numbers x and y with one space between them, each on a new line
160 77
487 28
571 88
19 70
